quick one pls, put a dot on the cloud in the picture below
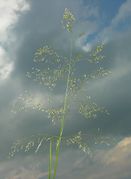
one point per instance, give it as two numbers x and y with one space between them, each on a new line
24 173
34 27
113 91
113 163
117 23
123 13
25 29
114 28
23 168
119 154
5 65
9 14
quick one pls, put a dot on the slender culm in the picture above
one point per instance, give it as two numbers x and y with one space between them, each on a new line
51 68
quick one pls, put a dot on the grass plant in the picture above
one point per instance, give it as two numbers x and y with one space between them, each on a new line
62 68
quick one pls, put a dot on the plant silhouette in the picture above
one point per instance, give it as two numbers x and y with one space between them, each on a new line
62 70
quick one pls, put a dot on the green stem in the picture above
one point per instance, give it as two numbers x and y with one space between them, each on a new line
64 115
50 161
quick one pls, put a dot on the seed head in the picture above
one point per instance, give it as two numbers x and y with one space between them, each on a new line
68 20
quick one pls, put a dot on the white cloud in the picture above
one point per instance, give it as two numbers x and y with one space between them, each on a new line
5 65
24 173
116 163
119 154
113 163
83 31
37 101
110 32
23 168
9 14
123 13
118 43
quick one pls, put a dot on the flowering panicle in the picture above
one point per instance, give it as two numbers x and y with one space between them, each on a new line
68 20
52 70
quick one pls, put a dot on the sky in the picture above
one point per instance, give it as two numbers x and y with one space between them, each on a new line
26 25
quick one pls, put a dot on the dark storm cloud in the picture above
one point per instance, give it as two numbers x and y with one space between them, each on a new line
114 91
42 23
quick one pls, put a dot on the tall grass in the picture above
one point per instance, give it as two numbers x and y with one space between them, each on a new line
62 69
